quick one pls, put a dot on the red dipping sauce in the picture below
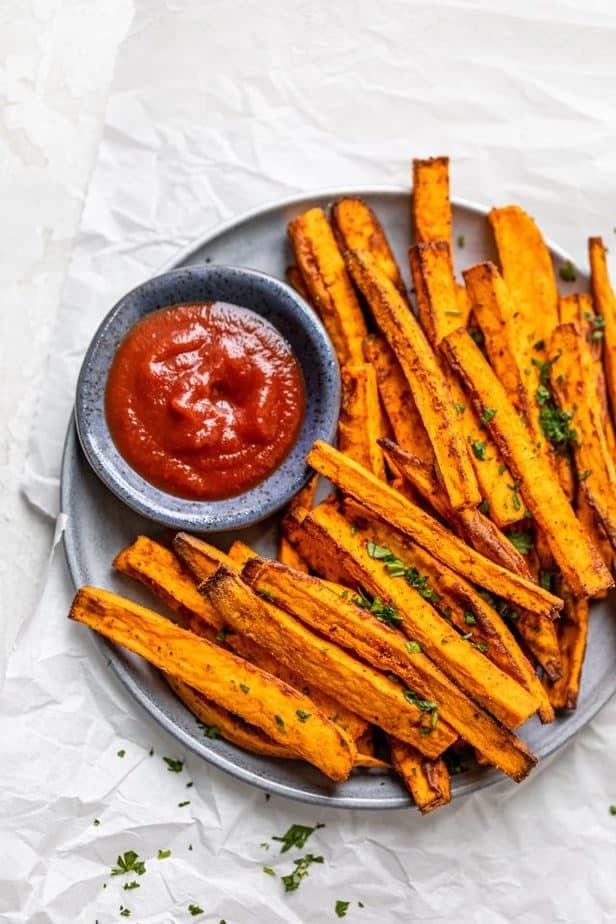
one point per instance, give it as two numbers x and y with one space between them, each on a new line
204 400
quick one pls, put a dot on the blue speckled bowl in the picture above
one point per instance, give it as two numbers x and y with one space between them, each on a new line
278 304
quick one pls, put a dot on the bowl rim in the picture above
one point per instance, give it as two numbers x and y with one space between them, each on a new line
174 512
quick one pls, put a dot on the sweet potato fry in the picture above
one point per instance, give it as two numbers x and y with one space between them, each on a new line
428 781
605 305
388 506
381 645
432 272
359 425
327 282
257 697
409 594
516 363
431 207
579 561
397 399
160 570
369 693
528 272
286 551
460 603
471 525
428 386
229 727
591 523
201 558
571 377
573 634
356 227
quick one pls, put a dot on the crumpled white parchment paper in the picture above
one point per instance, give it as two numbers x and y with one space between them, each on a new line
214 109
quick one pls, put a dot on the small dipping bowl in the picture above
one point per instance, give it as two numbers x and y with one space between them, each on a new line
274 301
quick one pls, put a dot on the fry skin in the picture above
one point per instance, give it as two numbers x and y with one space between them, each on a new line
269 704
387 505
428 781
425 378
359 425
327 282
397 399
359 629
431 208
605 305
573 635
580 563
295 280
368 692
356 227
571 378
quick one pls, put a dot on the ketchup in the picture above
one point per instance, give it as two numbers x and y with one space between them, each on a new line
204 400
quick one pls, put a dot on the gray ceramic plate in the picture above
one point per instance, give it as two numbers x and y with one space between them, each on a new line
99 525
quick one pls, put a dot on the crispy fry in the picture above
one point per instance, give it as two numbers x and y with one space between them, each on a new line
473 672
430 203
230 727
435 289
470 525
571 378
528 272
269 704
459 602
359 425
378 643
160 570
428 781
369 693
356 227
424 376
589 520
328 284
388 506
605 305
573 634
579 561
397 398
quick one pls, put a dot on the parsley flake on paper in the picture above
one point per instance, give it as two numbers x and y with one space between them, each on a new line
128 863
296 836
292 881
341 908
173 765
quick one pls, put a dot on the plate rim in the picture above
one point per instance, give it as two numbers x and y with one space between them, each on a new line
106 648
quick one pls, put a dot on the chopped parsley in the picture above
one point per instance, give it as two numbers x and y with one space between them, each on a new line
124 912
597 324
484 507
302 715
121 753
354 528
386 612
502 469
244 688
545 580
129 863
515 497
612 809
265 594
477 335
221 636
96 822
470 619
163 854
341 908
584 475
555 423
501 606
567 272
209 731
480 646
173 765
479 449
279 723
293 880
488 414
453 314
523 542
413 647
131 885
396 568
296 836
460 408
194 910
182 804
460 240
424 705
269 871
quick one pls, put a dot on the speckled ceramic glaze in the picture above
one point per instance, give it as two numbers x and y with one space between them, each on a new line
278 304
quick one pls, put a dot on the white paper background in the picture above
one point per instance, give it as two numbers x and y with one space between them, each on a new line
216 107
